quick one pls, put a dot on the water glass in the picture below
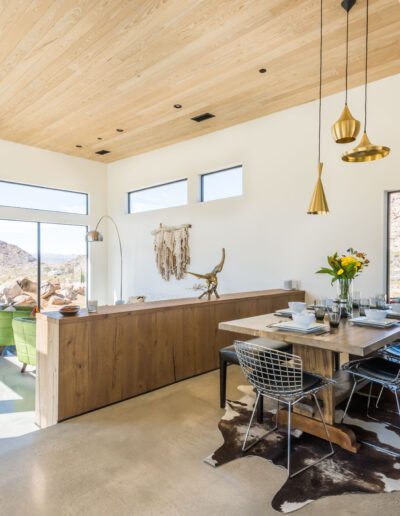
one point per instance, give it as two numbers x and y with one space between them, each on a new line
334 314
365 304
92 306
320 309
380 301
356 299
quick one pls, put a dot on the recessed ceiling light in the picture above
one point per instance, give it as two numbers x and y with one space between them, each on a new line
202 117
262 70
78 146
99 138
177 106
119 130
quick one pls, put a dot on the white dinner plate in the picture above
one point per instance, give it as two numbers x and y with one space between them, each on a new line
363 321
292 326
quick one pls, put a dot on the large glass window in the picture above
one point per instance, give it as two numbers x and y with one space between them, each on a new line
393 233
31 197
53 254
63 251
222 184
157 197
18 262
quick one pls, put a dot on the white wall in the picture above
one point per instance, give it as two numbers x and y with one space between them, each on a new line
267 234
21 163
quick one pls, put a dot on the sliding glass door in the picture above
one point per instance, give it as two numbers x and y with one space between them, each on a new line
63 253
52 255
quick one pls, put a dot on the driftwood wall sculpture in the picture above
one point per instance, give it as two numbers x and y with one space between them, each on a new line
171 245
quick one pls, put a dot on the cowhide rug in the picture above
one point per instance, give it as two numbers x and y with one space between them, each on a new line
368 471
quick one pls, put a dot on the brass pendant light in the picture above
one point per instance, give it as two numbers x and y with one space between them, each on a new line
346 129
365 150
318 204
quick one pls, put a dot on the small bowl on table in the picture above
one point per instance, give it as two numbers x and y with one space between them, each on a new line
69 310
304 320
298 307
375 315
395 307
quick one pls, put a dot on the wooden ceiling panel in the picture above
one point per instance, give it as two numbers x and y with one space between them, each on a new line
73 71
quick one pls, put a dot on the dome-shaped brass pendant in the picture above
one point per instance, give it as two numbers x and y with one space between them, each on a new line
365 151
318 204
346 129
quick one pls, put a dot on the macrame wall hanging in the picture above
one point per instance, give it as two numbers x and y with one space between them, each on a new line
171 244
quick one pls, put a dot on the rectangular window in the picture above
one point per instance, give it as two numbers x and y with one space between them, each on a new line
157 197
222 184
17 195
393 245
53 256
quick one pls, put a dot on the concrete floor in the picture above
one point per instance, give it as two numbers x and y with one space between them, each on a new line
144 457
17 398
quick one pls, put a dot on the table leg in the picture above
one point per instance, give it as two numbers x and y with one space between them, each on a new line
324 363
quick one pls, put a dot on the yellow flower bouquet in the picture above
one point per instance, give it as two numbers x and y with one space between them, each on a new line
347 266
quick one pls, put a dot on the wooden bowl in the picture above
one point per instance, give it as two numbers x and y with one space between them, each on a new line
69 310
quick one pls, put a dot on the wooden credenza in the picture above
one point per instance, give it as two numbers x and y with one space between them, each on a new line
92 360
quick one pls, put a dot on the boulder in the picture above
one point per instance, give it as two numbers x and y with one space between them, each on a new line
27 285
59 300
9 291
67 292
79 289
47 289
24 300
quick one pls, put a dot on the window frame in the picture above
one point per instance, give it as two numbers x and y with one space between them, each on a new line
387 238
47 188
184 180
202 176
39 257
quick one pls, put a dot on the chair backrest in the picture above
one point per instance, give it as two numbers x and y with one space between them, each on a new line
269 370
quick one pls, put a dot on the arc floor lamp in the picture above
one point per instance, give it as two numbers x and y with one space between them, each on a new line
95 236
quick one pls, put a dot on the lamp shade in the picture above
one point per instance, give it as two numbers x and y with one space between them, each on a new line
318 204
94 236
365 151
346 129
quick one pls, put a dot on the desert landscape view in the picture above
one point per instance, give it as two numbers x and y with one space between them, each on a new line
63 278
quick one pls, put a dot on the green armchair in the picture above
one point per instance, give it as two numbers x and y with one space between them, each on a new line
6 318
24 329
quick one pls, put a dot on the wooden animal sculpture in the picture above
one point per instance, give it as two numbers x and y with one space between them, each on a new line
211 278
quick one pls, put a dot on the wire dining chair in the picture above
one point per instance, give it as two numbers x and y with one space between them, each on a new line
279 376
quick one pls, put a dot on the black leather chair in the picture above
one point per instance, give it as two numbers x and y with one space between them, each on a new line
228 356
378 369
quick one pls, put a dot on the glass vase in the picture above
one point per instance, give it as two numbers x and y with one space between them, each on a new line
345 296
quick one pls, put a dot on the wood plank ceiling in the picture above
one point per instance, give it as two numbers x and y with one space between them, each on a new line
73 72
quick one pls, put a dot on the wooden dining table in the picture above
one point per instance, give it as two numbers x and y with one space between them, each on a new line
321 354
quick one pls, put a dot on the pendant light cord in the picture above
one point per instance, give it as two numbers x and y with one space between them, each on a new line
320 89
347 52
366 71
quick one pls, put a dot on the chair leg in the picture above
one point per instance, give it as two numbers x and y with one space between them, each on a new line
260 410
256 441
397 401
379 397
23 368
289 438
222 381
349 400
327 436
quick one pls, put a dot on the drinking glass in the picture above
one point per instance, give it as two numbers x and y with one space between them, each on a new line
334 314
356 299
92 305
320 309
380 300
365 304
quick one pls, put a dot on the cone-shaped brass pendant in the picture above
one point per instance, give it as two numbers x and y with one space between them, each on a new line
365 151
346 129
318 204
